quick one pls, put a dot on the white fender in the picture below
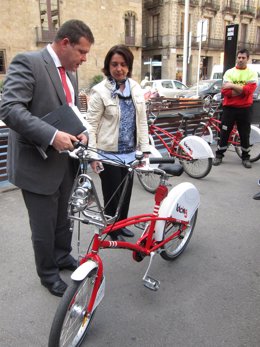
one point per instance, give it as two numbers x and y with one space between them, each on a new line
181 203
254 135
196 147
83 270
208 138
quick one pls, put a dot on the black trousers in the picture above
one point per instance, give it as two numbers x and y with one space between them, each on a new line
111 178
242 118
50 227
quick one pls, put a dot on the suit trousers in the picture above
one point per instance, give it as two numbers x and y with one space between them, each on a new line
50 227
242 118
111 178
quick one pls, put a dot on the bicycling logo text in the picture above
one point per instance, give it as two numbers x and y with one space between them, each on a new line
190 150
182 210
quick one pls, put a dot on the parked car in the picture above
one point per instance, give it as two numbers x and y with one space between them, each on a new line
166 88
203 89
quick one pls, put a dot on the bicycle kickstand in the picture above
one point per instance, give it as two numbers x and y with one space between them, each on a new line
148 281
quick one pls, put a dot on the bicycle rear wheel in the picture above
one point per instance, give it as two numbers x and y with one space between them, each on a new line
70 322
174 248
195 168
254 149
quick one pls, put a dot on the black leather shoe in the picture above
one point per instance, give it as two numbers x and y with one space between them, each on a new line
57 288
246 163
217 161
116 236
126 232
256 196
71 267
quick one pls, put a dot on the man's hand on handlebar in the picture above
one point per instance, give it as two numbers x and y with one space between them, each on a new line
65 142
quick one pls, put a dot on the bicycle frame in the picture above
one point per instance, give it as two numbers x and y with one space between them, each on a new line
172 221
215 123
175 141
146 245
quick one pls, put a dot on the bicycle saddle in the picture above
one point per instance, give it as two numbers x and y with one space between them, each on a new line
172 169
186 115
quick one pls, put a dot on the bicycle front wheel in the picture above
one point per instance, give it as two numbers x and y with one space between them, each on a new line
70 322
204 131
254 149
174 248
195 168
149 180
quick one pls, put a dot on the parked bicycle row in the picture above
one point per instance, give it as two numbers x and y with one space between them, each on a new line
193 150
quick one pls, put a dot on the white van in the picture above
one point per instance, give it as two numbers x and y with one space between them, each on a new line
217 71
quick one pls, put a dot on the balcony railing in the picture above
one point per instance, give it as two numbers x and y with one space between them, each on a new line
209 44
152 42
193 3
249 46
247 10
230 8
149 4
210 5
45 35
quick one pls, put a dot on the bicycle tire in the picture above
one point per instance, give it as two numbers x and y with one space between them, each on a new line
69 321
254 149
174 248
195 168
204 131
149 180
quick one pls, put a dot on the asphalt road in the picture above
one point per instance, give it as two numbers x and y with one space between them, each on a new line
209 297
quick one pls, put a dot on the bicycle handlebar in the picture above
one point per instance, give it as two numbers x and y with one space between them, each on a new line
162 160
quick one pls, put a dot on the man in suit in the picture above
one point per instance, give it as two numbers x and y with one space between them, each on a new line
33 88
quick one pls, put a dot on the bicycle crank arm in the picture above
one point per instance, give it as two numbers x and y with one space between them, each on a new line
148 281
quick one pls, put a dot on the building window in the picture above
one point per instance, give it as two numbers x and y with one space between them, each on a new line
49 14
2 62
243 33
155 28
130 19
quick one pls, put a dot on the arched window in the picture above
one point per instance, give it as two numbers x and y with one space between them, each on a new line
130 18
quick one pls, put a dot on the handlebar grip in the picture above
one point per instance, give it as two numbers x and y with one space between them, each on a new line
162 160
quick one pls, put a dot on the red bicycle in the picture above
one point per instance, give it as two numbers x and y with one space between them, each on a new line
166 231
193 152
211 127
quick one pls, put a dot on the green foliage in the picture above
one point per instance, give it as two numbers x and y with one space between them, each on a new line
1 85
95 80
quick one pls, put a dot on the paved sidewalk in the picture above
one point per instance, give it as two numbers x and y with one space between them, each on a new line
209 297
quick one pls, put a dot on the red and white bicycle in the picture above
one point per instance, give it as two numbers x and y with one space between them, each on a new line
166 231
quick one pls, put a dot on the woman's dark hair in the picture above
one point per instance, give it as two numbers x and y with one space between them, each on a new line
73 30
125 52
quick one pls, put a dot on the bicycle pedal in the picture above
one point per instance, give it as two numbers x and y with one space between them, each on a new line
151 283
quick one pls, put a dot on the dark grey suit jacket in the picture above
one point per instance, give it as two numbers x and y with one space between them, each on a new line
32 89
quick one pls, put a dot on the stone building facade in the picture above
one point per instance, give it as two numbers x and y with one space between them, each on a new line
153 29
163 35
31 24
